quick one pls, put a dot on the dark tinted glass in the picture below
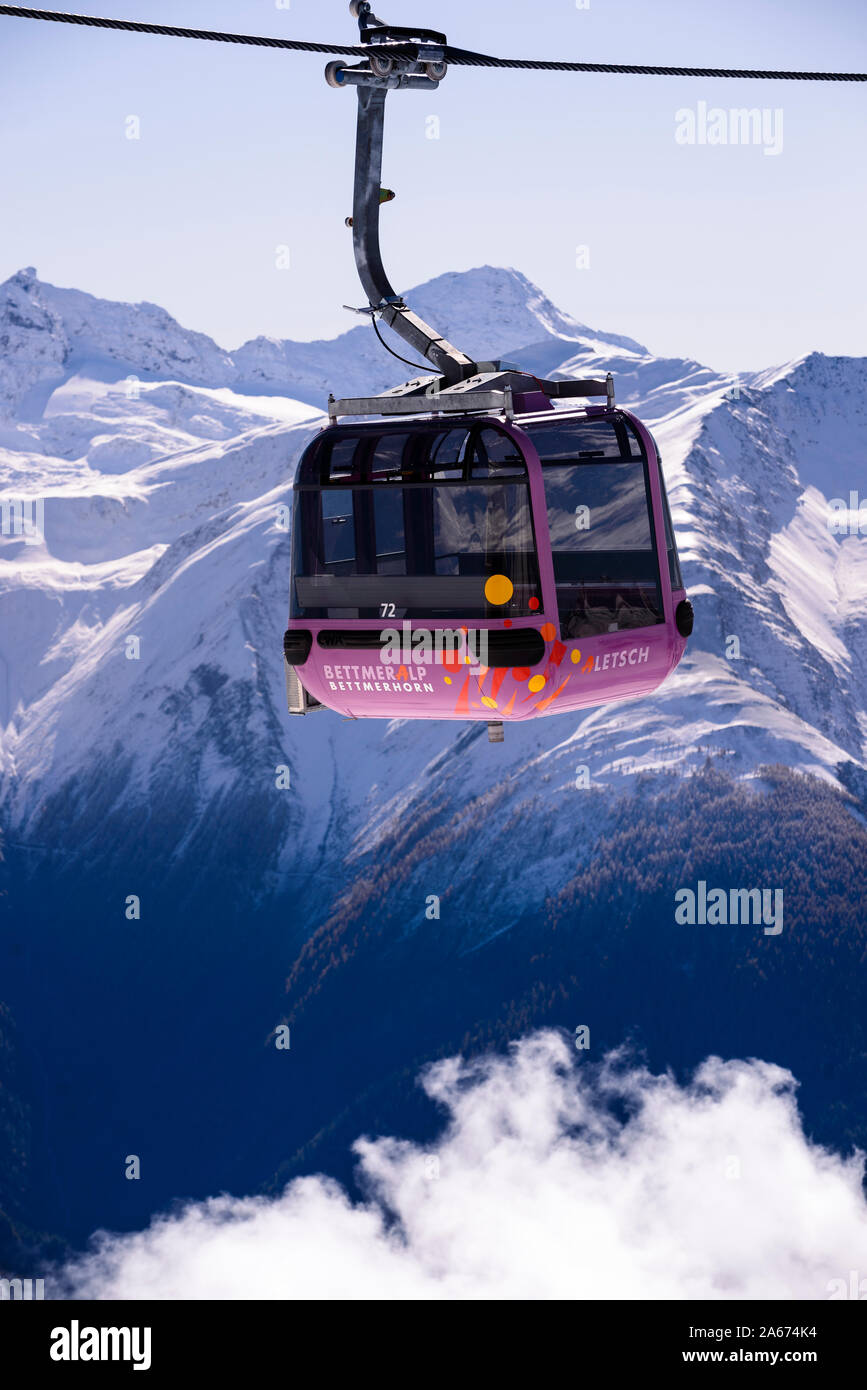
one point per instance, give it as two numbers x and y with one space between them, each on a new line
598 507
495 454
433 515
670 542
448 453
569 441
338 530
601 526
389 530
341 458
388 455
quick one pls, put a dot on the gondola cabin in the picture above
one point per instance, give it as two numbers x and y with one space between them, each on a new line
492 566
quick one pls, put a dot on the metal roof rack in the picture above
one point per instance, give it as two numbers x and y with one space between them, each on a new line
491 402
492 391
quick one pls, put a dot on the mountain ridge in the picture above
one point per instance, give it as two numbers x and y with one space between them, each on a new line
52 330
145 771
165 520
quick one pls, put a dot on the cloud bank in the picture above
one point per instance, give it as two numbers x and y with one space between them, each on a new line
551 1179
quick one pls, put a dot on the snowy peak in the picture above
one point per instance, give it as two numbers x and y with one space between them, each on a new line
490 311
49 334
166 521
33 340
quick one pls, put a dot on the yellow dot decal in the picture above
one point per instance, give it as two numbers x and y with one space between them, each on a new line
536 683
491 704
499 589
448 680
576 656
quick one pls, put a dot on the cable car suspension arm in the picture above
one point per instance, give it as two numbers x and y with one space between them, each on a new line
380 73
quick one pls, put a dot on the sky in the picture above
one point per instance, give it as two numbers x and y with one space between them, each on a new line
727 253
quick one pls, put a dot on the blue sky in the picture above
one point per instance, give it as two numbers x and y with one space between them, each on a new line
725 253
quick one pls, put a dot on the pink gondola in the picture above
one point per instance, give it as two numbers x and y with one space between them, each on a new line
477 544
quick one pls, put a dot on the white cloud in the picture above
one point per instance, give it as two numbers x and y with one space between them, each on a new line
556 1180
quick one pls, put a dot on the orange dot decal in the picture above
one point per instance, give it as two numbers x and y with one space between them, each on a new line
534 604
548 631
499 589
521 673
536 683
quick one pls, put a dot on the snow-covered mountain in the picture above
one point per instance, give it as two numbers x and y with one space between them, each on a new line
51 335
147 767
163 463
